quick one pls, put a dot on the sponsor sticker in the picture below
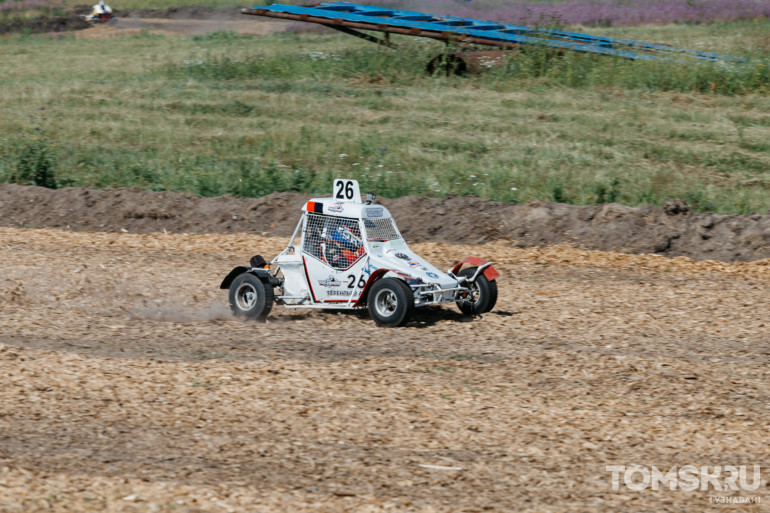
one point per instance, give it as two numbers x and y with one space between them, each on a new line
329 282
335 207
433 275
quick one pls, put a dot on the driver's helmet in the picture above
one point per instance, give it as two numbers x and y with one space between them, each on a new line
341 244
102 8
347 234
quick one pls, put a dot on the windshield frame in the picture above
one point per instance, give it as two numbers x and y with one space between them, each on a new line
369 239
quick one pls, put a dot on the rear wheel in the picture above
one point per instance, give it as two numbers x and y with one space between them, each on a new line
390 302
483 294
492 295
250 297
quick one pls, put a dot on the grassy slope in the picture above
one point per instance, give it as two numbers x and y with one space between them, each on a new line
227 114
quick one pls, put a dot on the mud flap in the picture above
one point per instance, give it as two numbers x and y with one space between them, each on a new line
262 274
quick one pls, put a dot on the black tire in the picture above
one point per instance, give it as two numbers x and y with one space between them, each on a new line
390 302
250 297
484 294
492 296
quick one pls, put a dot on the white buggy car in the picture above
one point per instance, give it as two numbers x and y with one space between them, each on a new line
346 254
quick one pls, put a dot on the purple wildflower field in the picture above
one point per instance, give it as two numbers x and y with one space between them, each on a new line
28 5
592 12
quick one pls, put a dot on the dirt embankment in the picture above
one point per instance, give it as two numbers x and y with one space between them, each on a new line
670 230
231 17
44 25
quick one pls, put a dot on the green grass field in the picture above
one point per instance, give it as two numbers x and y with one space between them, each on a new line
226 113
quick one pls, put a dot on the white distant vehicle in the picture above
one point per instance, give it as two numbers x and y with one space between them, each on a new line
100 12
347 254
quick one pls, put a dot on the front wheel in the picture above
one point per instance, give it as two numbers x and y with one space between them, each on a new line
250 297
391 302
483 294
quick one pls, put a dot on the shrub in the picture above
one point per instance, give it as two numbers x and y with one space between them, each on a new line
35 165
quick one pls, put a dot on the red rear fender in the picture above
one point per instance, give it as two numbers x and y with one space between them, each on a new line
489 272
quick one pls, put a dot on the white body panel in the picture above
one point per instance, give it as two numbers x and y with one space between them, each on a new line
328 285
295 284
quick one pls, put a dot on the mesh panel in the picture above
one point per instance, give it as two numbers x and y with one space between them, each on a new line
333 240
381 230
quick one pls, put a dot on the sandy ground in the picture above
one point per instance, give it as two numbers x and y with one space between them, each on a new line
128 387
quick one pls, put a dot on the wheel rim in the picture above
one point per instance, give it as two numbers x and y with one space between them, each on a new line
385 302
246 296
473 297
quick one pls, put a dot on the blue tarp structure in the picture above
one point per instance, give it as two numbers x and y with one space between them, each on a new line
351 18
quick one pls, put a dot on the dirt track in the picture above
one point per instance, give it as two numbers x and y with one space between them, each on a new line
128 388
